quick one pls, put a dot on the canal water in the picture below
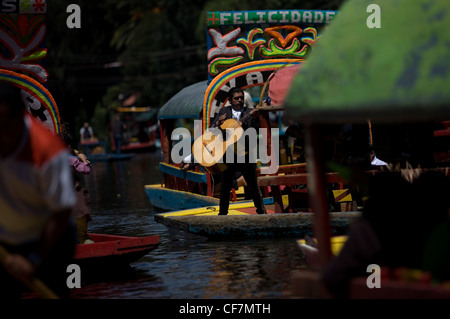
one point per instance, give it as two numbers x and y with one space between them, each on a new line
184 266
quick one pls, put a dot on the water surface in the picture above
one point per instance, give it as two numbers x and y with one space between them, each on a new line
184 265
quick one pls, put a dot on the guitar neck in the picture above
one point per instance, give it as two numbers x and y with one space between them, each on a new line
246 116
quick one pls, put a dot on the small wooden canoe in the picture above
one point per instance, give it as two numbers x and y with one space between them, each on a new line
109 251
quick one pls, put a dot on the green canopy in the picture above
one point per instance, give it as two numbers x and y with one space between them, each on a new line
188 103
398 72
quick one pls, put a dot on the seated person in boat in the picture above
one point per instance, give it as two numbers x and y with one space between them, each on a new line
87 134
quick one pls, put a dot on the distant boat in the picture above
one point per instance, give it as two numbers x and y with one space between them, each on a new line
97 151
141 129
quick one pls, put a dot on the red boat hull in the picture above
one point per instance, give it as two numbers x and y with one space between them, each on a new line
111 250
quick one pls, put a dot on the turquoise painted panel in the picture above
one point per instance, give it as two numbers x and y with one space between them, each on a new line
187 175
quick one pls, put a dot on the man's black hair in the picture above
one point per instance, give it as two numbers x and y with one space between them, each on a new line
234 91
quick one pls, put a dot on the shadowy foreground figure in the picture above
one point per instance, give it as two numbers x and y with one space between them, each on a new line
398 222
36 198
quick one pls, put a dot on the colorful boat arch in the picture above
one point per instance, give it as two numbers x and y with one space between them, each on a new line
245 75
38 100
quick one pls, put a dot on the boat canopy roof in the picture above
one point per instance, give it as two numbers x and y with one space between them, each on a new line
187 103
397 72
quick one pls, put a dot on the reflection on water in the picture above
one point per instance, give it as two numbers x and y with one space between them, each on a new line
184 265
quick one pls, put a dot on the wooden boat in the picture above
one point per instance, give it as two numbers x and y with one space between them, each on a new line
182 190
442 142
176 200
191 194
201 101
391 109
109 157
141 127
172 199
97 152
111 251
396 283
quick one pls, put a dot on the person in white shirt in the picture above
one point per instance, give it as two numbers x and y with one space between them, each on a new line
374 161
86 133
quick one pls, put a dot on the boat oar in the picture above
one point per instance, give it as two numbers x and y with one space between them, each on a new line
35 284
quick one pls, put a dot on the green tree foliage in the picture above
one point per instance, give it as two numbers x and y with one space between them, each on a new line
77 57
160 53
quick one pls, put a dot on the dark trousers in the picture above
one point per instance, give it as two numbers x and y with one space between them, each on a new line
118 142
249 173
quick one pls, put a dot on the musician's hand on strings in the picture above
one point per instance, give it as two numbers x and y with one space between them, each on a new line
221 119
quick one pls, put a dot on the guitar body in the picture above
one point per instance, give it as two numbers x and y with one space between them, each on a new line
209 148
230 124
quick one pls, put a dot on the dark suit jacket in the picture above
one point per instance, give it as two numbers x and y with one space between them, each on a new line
250 122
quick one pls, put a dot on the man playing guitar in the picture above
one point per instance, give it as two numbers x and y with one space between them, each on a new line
247 118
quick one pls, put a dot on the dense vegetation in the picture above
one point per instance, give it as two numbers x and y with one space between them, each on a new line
151 47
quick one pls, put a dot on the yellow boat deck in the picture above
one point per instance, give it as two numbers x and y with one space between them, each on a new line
237 208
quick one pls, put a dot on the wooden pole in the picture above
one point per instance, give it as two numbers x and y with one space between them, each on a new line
370 132
317 193
35 284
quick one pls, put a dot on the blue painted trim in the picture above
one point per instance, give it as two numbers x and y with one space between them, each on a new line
172 200
187 175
